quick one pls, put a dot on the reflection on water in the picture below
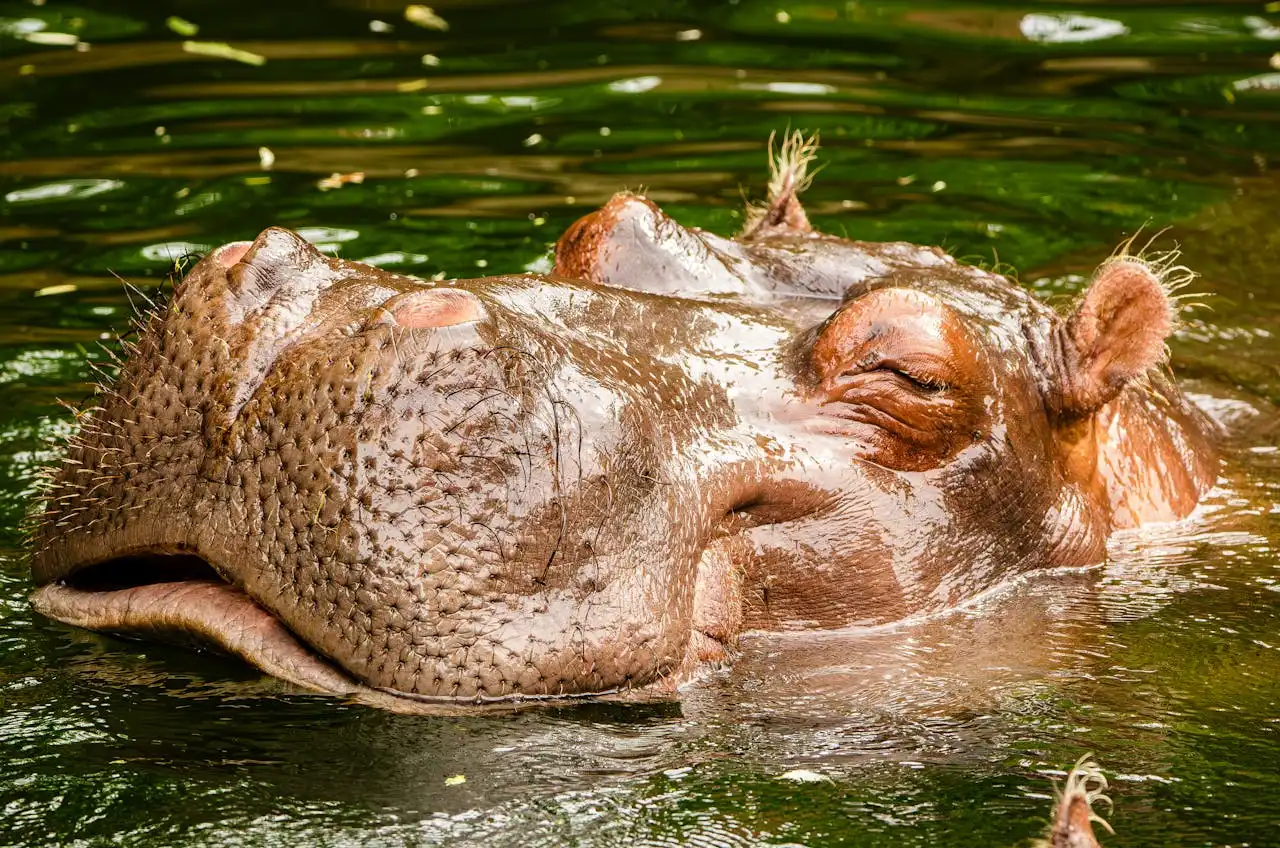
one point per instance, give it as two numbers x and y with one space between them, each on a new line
1036 135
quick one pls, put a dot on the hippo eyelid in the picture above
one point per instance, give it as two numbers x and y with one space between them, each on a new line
926 384
922 370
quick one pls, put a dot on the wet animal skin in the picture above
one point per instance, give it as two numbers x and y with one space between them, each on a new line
591 482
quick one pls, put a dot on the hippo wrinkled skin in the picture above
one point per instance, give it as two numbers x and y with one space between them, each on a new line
591 482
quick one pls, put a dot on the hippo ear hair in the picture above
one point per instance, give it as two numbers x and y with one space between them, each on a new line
789 175
1116 334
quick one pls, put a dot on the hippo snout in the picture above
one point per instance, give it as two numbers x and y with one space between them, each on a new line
436 489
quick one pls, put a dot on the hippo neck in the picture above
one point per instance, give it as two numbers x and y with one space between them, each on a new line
1145 456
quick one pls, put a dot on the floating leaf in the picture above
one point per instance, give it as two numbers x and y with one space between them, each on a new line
61 288
181 26
425 16
53 39
220 50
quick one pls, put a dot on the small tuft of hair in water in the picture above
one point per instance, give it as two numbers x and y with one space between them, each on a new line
1085 783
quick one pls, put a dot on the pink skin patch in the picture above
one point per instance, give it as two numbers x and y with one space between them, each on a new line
432 308
229 254
422 309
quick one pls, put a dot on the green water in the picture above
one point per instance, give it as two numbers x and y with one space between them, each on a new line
1035 134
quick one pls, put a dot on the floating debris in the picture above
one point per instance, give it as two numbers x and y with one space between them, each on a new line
266 158
425 16
455 780
52 39
805 776
60 288
182 26
336 180
221 50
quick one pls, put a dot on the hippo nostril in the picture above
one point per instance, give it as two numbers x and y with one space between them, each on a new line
230 254
277 262
431 308
277 247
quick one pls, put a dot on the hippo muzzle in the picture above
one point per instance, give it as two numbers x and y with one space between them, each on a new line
532 487
352 478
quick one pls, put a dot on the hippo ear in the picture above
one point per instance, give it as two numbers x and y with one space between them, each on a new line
782 213
1116 334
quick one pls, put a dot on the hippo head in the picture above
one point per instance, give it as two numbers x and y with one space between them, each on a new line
591 482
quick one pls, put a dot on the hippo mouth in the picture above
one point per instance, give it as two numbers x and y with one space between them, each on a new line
178 597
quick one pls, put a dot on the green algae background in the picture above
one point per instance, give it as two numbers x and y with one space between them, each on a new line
1033 135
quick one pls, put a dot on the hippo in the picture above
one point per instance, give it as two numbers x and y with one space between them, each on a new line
589 483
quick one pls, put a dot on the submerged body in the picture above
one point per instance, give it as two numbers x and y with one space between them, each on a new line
591 482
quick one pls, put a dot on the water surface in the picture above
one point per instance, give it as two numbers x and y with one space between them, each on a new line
1035 135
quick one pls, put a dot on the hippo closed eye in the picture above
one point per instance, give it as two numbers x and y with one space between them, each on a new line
523 486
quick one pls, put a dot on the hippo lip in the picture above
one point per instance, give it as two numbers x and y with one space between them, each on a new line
181 597
178 597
